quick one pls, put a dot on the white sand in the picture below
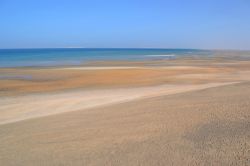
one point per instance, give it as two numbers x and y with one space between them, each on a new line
18 108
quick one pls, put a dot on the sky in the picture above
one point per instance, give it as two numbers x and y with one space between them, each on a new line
210 24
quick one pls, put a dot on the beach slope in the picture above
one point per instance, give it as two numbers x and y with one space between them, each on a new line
202 127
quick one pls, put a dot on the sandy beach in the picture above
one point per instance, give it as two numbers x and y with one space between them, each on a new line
189 111
125 83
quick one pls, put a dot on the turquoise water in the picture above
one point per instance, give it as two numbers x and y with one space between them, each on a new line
77 56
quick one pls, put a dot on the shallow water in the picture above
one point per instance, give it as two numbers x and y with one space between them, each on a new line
77 56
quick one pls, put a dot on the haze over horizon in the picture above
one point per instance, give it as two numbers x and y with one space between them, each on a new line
194 24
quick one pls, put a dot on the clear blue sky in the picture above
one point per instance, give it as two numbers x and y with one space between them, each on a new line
216 24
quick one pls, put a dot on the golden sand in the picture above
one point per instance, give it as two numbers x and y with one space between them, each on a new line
61 78
192 111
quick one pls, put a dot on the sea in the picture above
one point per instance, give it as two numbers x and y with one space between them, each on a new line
78 56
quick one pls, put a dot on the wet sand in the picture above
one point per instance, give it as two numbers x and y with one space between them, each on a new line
178 112
42 80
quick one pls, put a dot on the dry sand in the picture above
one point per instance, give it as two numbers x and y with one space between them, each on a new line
37 105
178 112
206 127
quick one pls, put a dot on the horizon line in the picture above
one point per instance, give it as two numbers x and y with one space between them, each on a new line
213 49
